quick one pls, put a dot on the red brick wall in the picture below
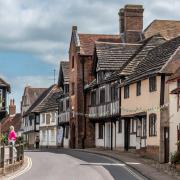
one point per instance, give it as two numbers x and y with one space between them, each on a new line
77 100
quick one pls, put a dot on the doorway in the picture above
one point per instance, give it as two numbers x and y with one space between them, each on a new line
166 144
126 134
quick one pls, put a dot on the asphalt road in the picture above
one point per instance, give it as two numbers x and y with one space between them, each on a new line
76 165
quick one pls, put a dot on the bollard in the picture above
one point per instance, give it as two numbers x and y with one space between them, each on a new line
22 151
2 156
18 152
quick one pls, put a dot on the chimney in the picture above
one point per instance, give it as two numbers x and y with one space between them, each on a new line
12 108
131 23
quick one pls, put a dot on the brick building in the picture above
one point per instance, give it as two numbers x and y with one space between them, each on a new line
80 57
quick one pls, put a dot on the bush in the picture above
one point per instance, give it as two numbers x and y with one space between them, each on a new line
175 158
19 140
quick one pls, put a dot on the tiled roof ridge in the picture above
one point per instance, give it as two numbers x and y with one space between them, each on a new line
115 43
93 34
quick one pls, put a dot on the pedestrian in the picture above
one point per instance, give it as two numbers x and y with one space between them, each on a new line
12 138
37 142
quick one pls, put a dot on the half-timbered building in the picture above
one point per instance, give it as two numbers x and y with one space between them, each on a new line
64 106
4 90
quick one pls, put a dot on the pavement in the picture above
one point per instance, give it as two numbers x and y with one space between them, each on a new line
150 169
68 164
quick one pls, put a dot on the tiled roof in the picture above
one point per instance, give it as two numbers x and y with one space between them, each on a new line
63 72
86 41
33 93
112 56
49 103
11 121
167 28
5 84
155 60
39 100
147 45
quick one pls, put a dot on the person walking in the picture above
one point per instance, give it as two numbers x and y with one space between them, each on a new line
12 138
37 142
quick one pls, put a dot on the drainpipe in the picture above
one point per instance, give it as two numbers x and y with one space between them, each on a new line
111 135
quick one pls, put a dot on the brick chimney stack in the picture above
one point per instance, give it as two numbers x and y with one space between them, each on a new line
12 107
131 23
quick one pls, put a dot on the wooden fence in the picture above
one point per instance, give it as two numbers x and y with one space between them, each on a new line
10 156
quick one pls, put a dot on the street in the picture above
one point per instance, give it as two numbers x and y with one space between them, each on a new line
75 165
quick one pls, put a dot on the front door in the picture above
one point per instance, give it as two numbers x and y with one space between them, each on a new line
166 144
126 134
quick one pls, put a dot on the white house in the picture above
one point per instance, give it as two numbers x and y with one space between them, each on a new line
174 110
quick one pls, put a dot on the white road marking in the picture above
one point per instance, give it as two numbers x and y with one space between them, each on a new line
118 164
23 171
104 164
133 163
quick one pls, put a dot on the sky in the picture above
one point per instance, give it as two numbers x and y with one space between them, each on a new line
35 34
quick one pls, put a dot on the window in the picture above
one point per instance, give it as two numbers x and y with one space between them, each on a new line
144 127
72 92
72 62
120 126
102 95
139 128
66 132
133 125
93 98
114 92
1 97
31 118
61 106
37 120
152 84
66 88
100 131
53 117
48 117
43 118
101 76
67 104
126 92
152 125
138 88
178 83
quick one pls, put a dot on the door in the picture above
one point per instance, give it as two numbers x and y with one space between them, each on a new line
166 144
126 134
108 135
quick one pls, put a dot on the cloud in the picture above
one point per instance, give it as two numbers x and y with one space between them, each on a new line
18 83
44 27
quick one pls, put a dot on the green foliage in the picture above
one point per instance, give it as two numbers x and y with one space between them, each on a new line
175 158
19 140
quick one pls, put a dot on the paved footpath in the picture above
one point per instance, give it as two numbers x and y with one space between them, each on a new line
76 165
